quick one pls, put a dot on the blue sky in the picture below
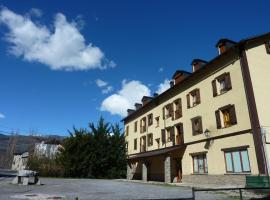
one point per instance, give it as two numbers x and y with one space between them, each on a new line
66 63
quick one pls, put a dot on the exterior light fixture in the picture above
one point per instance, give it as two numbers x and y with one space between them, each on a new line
206 133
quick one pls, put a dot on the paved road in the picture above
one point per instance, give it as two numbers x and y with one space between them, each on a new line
98 190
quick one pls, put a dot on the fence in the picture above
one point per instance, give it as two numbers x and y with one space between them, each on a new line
194 190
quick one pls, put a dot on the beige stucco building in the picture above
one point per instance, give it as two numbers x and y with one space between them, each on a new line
212 123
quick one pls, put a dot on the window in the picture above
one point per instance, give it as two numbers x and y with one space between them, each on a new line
127 130
150 119
157 121
193 98
226 116
170 134
178 109
267 47
150 139
168 111
135 126
127 146
135 144
237 161
221 84
143 125
200 164
197 125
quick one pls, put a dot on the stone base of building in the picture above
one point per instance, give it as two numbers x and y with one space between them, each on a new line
215 180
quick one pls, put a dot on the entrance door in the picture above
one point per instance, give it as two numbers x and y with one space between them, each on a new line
178 169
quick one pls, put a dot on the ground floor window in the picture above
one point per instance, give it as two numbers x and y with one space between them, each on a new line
200 164
237 161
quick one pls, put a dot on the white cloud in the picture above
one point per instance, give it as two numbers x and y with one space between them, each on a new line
35 12
163 86
101 83
131 92
106 88
63 48
2 116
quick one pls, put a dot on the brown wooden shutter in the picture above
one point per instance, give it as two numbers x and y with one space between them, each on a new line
188 101
163 136
172 135
214 86
171 111
228 81
198 97
217 112
163 112
232 115
200 125
193 127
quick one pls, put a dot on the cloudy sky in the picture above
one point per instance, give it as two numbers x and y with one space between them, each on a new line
65 64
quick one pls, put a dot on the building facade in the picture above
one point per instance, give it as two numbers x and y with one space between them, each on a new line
211 124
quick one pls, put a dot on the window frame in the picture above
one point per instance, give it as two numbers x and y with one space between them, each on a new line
150 139
178 108
150 119
193 125
194 93
157 121
226 77
230 108
205 164
239 150
127 130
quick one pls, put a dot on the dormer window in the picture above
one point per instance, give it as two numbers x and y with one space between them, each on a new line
193 98
224 44
221 84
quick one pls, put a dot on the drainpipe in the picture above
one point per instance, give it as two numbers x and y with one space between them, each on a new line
264 133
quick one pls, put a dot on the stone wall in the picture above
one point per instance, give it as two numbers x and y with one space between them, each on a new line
215 180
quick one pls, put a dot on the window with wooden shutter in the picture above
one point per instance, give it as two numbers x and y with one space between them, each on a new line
150 119
221 84
267 47
226 116
178 108
197 125
163 136
193 98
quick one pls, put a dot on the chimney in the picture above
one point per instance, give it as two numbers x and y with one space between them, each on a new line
197 64
138 106
155 94
171 83
179 76
224 44
130 111
146 99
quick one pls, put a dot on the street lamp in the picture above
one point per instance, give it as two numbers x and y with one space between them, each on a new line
206 133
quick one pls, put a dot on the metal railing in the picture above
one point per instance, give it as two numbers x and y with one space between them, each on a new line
194 190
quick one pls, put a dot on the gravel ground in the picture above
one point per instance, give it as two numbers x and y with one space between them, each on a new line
98 189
